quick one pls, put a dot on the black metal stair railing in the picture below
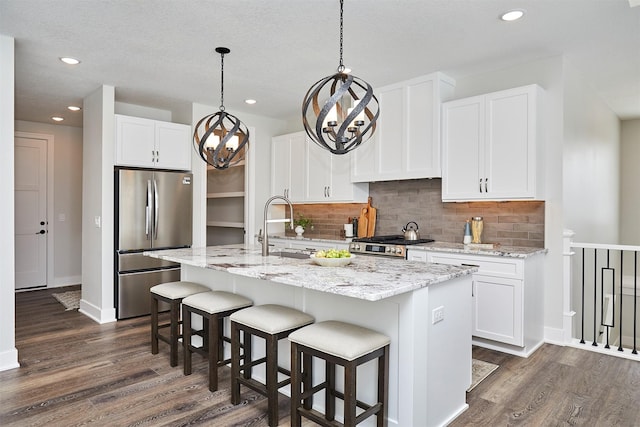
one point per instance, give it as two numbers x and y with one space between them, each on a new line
606 279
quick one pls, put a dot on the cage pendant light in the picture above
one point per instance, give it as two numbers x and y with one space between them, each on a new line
339 112
221 139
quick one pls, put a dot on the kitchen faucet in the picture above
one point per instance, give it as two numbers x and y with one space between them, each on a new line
263 236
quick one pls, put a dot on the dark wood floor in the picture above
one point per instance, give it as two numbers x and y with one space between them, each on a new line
76 372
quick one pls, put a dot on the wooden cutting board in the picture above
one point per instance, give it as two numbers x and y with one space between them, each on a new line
371 219
363 223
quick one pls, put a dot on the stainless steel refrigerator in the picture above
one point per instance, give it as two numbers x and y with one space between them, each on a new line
153 211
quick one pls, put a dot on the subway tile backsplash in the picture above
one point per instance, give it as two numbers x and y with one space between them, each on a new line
518 223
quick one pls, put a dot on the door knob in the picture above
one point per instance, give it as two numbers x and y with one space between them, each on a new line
41 232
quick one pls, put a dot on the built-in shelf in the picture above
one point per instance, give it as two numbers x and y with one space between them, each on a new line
227 224
225 195
240 163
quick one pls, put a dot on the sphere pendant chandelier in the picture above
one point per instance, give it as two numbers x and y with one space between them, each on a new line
339 112
221 139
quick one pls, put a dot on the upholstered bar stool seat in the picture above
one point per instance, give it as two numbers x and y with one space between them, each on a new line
347 345
171 293
213 306
270 322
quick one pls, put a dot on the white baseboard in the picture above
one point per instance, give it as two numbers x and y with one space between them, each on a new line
9 359
59 282
554 336
96 314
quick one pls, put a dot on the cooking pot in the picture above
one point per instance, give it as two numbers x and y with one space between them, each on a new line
411 233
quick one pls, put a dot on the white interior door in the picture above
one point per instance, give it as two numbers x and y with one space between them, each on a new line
31 212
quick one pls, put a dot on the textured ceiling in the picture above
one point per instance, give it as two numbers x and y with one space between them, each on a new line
161 53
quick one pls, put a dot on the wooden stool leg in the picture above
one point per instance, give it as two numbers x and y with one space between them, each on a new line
213 351
246 355
154 325
350 394
383 386
235 363
307 379
296 378
329 392
220 338
186 339
272 380
174 334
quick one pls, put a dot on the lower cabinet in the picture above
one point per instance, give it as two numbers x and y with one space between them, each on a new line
507 299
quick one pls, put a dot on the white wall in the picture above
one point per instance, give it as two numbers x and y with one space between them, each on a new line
547 73
65 227
630 180
259 153
591 163
8 351
97 204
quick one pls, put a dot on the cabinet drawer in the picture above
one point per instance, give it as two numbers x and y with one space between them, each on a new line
492 266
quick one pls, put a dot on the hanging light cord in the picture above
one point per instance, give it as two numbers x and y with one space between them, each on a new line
222 82
341 66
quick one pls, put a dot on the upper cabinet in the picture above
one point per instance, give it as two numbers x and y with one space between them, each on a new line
287 165
152 144
491 147
406 144
306 173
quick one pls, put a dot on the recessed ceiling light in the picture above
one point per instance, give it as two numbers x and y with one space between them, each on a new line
250 101
57 119
74 108
512 15
70 61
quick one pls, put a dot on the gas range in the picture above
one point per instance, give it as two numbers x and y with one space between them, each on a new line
393 245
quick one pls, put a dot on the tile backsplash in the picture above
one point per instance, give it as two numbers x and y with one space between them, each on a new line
398 202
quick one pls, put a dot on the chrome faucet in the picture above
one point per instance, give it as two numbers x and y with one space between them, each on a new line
263 236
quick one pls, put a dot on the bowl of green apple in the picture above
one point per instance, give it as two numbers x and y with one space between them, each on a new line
332 257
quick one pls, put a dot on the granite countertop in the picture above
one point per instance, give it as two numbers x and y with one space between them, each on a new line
367 277
503 251
459 248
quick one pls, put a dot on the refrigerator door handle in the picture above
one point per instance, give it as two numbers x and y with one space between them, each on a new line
147 216
156 205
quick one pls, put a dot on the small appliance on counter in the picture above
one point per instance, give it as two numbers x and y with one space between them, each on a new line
392 245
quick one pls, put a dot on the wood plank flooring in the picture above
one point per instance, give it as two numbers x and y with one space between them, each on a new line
76 372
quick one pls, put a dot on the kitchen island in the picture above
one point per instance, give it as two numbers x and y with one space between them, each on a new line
430 358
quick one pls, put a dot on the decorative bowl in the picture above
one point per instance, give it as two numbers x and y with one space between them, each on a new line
332 262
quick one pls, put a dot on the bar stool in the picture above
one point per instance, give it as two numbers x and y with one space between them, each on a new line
349 346
272 323
171 293
213 306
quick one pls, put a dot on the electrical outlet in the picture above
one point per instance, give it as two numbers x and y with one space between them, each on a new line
437 315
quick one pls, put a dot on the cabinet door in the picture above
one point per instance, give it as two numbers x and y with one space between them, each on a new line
422 147
497 309
318 166
173 146
462 144
340 186
391 132
280 160
287 166
510 143
135 141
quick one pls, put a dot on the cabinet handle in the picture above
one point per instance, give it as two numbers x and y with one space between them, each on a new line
486 180
469 265
153 156
328 191
481 185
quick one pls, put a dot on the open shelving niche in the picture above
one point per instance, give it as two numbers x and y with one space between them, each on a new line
226 202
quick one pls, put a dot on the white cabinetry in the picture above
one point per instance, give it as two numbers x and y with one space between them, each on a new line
406 144
305 173
152 144
491 147
287 165
328 177
507 308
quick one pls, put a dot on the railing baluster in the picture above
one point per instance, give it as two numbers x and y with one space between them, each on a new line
582 295
621 292
595 296
635 300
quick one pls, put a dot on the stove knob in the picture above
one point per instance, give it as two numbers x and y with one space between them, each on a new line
355 247
388 249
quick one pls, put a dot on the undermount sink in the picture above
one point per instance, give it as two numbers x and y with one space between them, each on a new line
292 254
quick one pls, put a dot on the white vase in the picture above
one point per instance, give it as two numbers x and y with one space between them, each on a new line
299 230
